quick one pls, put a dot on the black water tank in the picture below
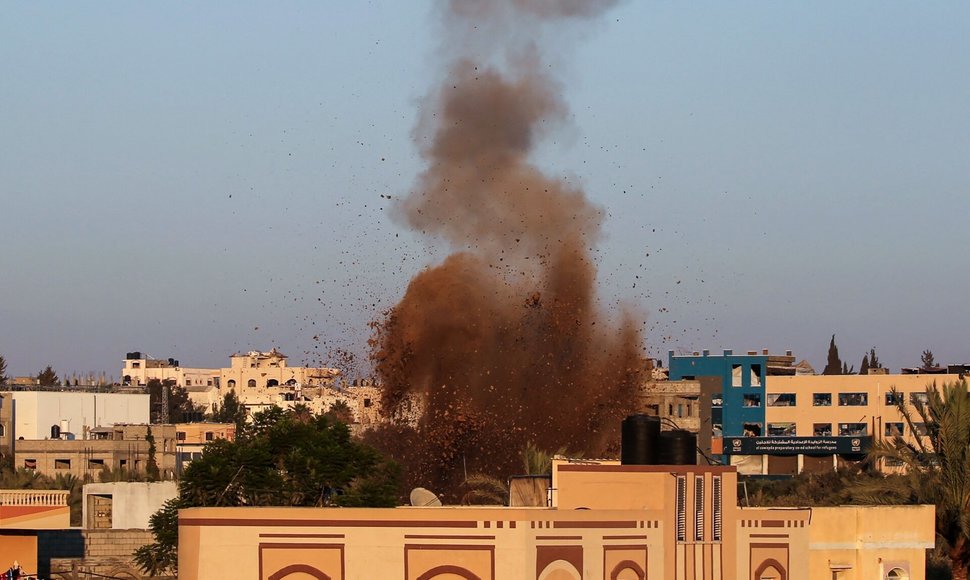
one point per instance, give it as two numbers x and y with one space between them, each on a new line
55 431
640 435
678 447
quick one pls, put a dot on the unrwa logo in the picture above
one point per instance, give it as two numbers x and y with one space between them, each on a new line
736 443
856 442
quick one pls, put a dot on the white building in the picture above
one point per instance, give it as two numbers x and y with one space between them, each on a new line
35 412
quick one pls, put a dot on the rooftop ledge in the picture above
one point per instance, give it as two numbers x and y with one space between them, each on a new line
35 497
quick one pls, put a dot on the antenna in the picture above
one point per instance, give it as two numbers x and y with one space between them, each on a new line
421 497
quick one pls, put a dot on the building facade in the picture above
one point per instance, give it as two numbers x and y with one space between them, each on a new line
121 447
606 521
759 414
35 413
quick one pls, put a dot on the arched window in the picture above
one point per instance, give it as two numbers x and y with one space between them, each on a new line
126 381
897 574
231 383
291 383
251 383
272 383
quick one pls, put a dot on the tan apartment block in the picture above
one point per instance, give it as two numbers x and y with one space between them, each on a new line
118 447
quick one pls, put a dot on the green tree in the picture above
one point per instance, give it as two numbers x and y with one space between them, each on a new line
3 370
864 367
936 468
151 466
278 461
340 411
180 407
48 378
834 365
230 411
927 360
874 362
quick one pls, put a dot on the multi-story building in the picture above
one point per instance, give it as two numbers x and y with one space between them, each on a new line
36 413
139 368
191 439
266 370
121 447
758 413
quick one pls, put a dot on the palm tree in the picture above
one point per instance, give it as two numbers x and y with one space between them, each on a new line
936 468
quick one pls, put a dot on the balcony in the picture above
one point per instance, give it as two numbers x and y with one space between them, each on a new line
33 497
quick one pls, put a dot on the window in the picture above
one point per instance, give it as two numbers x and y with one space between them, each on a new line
894 429
272 383
897 574
717 400
822 399
136 365
30 464
681 507
699 508
751 401
2 431
180 435
755 375
251 383
209 435
188 382
752 429
716 430
853 399
781 400
95 463
122 463
781 429
822 430
231 383
920 429
716 508
893 398
62 464
853 429
208 383
919 398
735 375
680 409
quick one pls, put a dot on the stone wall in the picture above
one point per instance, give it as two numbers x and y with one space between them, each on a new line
79 554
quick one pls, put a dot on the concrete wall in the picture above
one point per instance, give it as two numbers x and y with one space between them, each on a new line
34 412
133 503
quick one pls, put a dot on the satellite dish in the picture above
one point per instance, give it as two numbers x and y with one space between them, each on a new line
421 497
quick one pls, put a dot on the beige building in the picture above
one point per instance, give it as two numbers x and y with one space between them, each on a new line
191 439
852 406
117 447
606 521
675 402
138 369
24 513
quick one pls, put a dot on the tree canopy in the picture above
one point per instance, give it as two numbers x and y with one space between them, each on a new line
927 360
3 370
180 407
834 364
48 378
230 411
278 459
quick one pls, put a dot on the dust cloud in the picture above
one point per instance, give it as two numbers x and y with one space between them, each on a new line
504 341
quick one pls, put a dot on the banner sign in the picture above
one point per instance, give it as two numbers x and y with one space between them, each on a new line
796 445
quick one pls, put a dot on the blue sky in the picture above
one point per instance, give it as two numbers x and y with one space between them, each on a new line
198 179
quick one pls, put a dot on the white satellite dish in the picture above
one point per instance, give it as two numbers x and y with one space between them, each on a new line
421 497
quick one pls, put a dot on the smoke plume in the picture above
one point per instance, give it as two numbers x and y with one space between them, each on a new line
504 341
